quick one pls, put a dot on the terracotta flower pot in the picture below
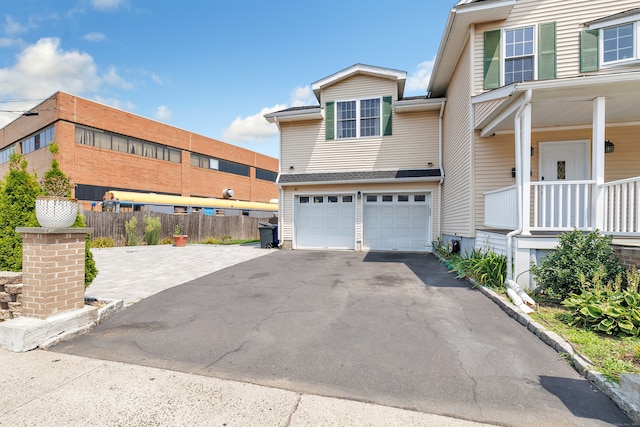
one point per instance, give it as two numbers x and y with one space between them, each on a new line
180 240
56 212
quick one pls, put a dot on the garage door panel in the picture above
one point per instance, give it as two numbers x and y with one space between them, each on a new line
396 222
325 222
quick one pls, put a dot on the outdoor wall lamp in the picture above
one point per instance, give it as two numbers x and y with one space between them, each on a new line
359 195
609 146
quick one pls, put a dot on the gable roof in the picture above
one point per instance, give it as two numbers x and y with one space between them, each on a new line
454 38
369 70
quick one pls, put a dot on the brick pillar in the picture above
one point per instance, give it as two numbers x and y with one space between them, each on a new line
52 270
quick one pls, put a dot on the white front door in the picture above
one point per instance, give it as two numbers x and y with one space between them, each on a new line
397 222
562 204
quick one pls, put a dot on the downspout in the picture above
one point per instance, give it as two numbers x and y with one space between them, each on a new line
280 190
518 141
517 295
440 143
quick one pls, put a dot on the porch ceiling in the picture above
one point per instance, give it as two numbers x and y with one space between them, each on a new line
568 102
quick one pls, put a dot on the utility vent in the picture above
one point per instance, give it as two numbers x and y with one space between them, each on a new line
227 193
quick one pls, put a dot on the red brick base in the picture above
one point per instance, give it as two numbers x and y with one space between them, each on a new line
52 270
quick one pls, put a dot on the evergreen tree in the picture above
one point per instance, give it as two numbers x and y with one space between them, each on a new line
18 192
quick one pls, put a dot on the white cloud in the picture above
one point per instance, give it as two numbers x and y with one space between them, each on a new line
13 27
419 79
116 103
113 78
252 128
156 78
107 4
303 96
43 68
163 113
94 37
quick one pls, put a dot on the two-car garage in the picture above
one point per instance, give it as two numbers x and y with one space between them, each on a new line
369 221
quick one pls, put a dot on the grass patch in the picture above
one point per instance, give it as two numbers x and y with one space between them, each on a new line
610 355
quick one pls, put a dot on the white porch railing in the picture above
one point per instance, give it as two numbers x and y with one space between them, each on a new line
561 205
622 207
501 208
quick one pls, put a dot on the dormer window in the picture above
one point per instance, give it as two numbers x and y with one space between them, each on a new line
356 119
610 41
617 43
361 118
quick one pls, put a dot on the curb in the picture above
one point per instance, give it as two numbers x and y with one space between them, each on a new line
625 394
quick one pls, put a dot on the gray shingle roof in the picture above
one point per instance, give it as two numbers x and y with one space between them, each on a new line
358 176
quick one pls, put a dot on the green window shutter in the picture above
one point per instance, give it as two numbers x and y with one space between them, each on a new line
491 59
329 121
589 55
386 115
547 51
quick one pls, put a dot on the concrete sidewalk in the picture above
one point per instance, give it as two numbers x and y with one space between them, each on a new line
43 388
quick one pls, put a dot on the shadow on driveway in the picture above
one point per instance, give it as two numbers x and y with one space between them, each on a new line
393 329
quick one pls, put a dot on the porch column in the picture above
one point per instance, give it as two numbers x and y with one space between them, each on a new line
525 161
597 162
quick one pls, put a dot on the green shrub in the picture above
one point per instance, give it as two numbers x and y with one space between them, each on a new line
131 236
606 308
90 269
103 242
166 241
488 268
18 192
211 241
577 253
152 227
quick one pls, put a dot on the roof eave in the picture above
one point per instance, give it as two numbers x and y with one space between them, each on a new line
294 116
363 181
416 105
399 76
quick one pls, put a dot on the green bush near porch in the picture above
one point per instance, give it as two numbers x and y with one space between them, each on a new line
579 254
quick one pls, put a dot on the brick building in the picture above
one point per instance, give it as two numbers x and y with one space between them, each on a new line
103 148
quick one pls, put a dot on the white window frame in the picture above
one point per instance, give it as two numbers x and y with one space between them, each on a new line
503 56
601 26
358 118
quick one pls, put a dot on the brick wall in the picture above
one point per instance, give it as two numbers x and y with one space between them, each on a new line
101 167
52 270
629 256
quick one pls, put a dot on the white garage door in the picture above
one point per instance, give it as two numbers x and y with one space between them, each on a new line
325 221
397 222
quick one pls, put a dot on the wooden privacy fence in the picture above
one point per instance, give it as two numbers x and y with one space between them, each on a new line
197 225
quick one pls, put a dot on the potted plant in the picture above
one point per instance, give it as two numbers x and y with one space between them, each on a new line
56 208
178 238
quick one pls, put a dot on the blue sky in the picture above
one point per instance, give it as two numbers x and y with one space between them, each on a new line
213 68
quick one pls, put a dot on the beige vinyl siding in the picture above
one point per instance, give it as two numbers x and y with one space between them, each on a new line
457 189
410 187
413 143
483 109
494 158
569 15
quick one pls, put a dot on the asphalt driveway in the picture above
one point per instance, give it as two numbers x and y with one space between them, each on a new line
393 329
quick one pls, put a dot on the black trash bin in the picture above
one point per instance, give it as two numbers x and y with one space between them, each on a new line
268 235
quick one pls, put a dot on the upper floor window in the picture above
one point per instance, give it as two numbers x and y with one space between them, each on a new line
519 57
37 141
358 118
361 118
519 54
617 43
610 41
